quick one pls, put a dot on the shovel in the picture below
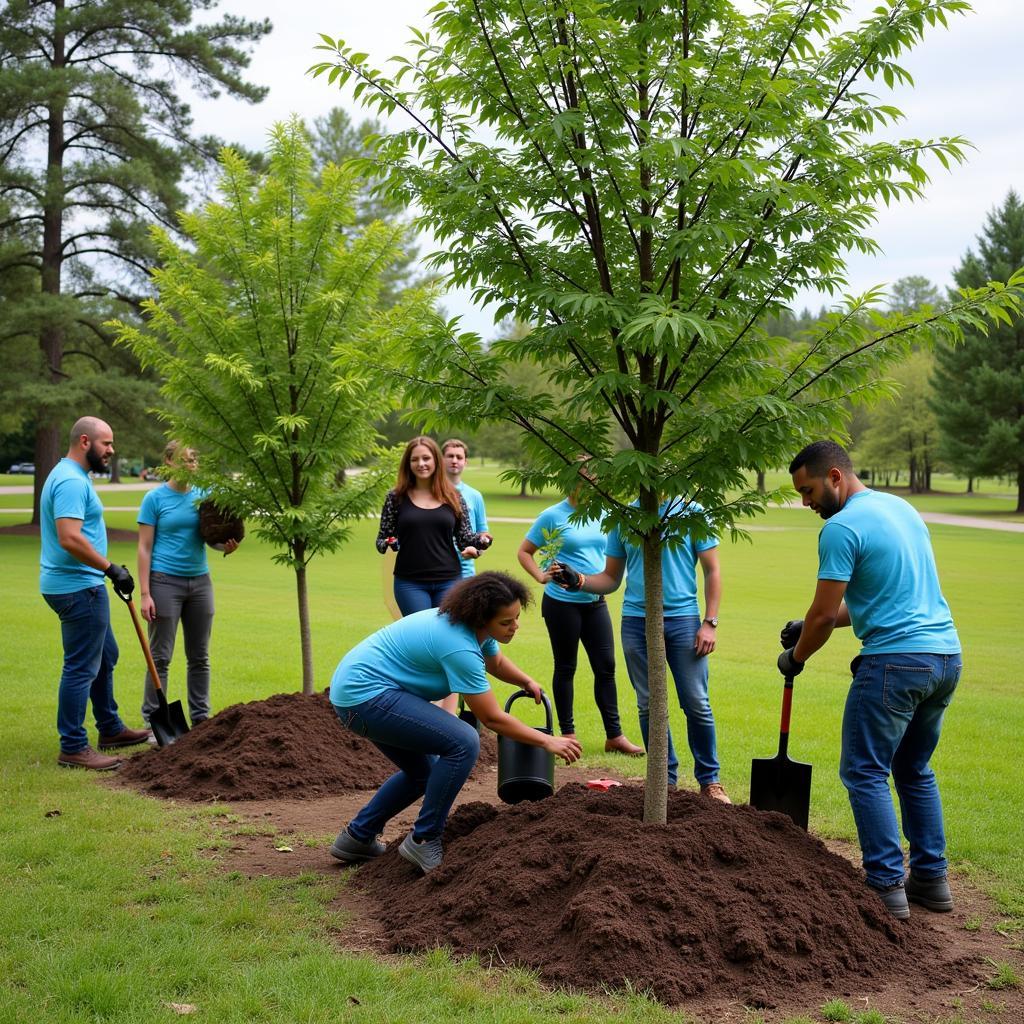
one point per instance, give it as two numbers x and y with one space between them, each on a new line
777 783
168 721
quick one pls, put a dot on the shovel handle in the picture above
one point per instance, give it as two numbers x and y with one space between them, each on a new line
787 707
144 643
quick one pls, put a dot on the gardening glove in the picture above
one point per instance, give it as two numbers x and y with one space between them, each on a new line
788 665
122 580
566 576
791 632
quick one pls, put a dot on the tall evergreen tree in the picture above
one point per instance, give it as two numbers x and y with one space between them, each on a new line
979 386
94 140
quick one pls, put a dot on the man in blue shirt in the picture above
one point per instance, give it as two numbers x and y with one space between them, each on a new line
689 639
876 573
73 562
456 455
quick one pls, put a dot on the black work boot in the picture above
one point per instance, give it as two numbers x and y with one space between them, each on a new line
930 893
895 899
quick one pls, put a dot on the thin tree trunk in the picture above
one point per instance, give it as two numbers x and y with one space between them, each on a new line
656 790
970 485
760 481
1020 489
305 636
51 336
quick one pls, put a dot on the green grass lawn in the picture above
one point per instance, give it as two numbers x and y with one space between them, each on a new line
111 909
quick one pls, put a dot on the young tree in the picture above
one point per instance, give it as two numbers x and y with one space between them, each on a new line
979 386
645 182
94 137
267 331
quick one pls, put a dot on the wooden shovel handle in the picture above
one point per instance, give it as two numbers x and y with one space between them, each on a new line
144 643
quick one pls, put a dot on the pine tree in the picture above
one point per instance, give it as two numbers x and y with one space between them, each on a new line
979 385
94 140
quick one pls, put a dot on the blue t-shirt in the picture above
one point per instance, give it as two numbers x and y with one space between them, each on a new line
879 546
424 653
178 550
69 494
678 570
477 521
583 546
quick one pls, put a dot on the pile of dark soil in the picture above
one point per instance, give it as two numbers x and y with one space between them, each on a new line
290 745
722 901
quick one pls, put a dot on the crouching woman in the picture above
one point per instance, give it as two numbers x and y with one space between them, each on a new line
383 690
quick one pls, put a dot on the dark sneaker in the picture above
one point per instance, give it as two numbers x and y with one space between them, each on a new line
125 738
426 855
930 893
349 849
895 899
88 758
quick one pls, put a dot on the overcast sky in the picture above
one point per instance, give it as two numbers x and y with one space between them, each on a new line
968 81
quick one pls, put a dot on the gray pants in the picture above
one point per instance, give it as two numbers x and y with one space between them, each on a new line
188 599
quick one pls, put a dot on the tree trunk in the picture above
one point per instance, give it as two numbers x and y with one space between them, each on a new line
760 481
51 336
305 636
115 470
1020 489
522 489
970 485
656 789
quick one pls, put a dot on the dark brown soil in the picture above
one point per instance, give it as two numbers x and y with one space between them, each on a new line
720 902
290 745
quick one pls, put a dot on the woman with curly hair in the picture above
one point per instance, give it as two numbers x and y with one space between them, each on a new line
383 689
426 521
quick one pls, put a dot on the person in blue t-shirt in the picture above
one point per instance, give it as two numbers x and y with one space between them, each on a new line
384 687
876 573
73 562
456 454
174 580
574 619
689 639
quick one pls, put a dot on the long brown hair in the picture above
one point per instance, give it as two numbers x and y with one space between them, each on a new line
440 486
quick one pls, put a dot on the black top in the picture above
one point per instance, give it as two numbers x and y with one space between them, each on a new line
426 539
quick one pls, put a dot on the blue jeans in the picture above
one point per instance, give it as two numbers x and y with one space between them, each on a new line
690 674
413 596
892 723
433 751
90 654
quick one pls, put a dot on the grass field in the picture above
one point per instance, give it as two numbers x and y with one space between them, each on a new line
112 909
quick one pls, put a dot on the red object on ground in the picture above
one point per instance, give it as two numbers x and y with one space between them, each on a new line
602 784
289 745
722 902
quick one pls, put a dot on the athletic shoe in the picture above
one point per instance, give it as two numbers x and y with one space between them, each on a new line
349 849
895 899
715 791
426 855
930 893
89 759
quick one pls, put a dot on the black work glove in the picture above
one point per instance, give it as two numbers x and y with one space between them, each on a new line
485 542
791 632
566 576
122 580
788 665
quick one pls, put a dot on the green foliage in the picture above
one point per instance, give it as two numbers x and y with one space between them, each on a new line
837 1010
1005 976
549 551
645 185
266 333
94 141
979 398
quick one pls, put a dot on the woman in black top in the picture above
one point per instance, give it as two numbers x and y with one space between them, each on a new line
426 520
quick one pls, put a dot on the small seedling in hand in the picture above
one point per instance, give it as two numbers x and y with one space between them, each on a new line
549 551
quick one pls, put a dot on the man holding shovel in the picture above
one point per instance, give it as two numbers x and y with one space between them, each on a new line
73 563
877 573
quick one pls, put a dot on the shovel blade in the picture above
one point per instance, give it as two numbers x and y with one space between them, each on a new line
779 784
168 723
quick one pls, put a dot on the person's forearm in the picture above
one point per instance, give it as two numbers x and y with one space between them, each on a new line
712 593
507 725
817 629
144 560
509 672
79 548
601 583
526 560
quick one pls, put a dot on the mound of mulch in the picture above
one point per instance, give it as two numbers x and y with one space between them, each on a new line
721 902
289 745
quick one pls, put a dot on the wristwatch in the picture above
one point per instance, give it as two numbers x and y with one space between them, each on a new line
712 622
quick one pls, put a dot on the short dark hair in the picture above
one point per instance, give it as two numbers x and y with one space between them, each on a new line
477 599
820 456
